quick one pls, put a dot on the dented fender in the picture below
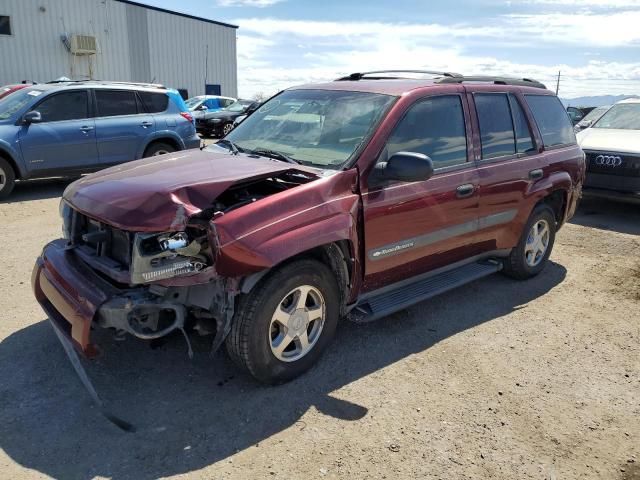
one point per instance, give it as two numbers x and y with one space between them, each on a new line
264 234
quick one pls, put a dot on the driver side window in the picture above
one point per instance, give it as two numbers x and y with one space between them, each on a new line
434 127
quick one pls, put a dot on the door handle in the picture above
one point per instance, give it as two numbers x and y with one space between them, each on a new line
146 124
536 174
86 128
465 190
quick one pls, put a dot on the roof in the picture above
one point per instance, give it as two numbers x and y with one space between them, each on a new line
399 86
171 12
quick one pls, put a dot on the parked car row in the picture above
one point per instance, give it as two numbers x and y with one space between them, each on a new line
70 128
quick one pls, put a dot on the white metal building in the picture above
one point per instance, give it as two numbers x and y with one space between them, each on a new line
42 40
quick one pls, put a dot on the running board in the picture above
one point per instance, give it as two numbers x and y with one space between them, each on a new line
391 301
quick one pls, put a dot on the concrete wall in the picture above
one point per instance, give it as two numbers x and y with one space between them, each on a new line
134 43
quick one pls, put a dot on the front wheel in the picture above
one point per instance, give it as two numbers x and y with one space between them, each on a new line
283 325
7 178
531 254
227 128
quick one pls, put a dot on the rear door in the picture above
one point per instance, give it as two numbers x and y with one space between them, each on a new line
508 160
411 228
122 126
65 139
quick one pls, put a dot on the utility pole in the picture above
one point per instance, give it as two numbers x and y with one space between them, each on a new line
558 83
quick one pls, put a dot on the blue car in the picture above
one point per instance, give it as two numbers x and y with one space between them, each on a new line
69 128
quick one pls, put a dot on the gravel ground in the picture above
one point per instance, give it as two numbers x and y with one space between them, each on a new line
498 379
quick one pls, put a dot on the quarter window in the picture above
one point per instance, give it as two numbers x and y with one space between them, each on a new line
5 25
552 120
434 127
154 102
496 125
72 105
112 103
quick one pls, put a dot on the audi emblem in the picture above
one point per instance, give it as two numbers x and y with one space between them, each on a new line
608 160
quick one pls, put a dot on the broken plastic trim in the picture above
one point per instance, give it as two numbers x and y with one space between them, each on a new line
84 378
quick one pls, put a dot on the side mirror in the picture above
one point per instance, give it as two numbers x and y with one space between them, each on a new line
203 107
406 167
32 117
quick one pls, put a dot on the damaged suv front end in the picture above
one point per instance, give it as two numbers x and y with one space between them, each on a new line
151 270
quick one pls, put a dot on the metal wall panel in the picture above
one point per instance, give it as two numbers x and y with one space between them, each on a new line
173 52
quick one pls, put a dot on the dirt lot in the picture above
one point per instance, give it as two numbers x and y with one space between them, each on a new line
500 379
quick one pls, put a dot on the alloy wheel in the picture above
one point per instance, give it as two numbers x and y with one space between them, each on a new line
297 323
537 243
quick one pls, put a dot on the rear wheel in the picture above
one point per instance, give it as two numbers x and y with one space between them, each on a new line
530 256
7 178
158 148
283 325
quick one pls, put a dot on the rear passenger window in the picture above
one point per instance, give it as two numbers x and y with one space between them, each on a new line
72 105
552 120
433 127
154 102
496 125
112 103
524 141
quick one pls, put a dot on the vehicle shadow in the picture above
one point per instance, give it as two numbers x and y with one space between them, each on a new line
38 189
190 414
608 215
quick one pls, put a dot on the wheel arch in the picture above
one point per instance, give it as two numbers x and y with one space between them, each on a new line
336 255
162 138
6 155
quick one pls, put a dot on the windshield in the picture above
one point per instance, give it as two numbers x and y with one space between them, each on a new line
594 114
193 102
321 128
13 103
236 107
623 116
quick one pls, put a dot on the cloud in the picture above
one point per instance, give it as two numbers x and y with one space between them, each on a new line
247 3
278 53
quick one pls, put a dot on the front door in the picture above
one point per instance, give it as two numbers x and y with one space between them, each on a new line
122 126
64 140
411 228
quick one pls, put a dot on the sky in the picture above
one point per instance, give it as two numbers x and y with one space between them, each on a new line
595 44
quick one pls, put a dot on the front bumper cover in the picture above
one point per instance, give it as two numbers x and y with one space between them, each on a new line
75 297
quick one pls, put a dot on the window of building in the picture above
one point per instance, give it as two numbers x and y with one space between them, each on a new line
434 127
5 25
73 105
112 103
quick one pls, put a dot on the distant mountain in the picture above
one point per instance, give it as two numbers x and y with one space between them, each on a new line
596 101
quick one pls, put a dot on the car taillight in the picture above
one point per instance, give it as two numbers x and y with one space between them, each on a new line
187 115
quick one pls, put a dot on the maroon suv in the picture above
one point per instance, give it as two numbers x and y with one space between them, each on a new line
354 198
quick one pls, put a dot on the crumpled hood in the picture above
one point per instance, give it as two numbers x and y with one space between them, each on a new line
609 140
161 193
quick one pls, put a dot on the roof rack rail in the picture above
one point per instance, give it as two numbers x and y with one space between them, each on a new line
360 75
520 82
140 84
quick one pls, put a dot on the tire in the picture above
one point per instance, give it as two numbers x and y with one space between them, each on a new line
7 178
226 128
257 341
158 148
527 259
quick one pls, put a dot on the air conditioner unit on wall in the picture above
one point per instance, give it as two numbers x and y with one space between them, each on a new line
83 45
